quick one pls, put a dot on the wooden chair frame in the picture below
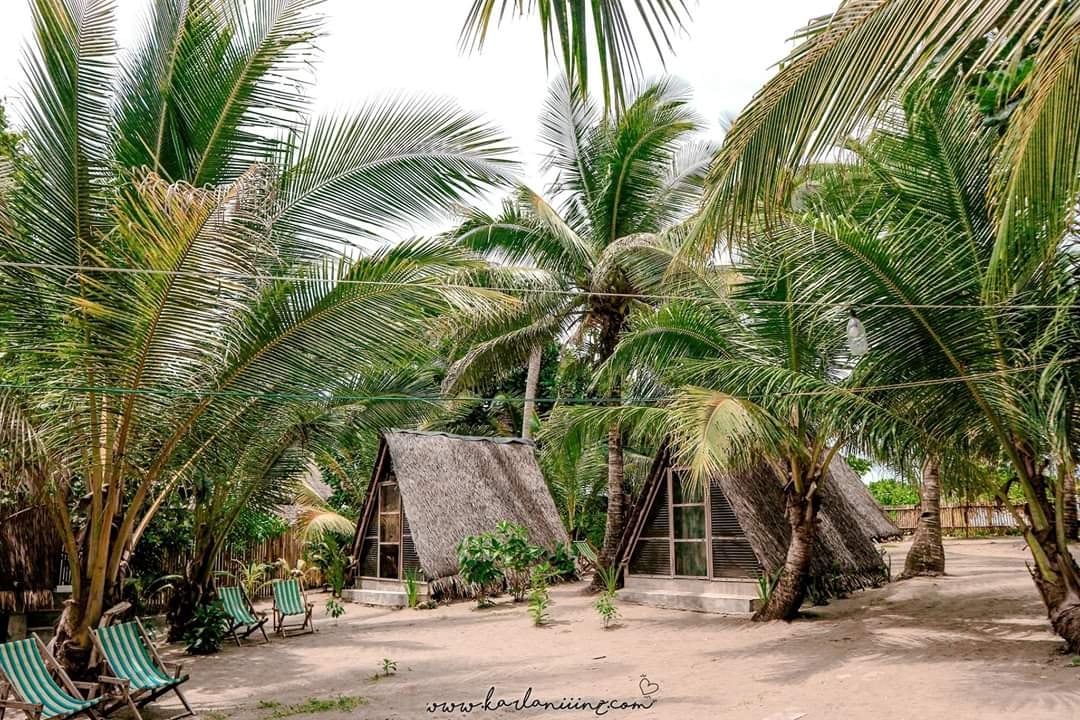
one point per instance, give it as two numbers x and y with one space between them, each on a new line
249 629
139 698
281 629
34 710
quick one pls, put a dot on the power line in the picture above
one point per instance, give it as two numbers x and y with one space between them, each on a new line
261 277
326 396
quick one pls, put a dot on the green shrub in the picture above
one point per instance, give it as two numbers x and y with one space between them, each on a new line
477 562
334 608
330 558
514 556
539 597
605 607
563 561
412 587
207 629
893 492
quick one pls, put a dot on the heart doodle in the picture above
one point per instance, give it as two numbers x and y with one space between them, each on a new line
648 687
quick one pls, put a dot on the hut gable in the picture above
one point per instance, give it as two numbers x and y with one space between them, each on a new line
454 486
845 558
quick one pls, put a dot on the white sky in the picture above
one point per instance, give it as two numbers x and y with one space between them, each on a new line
374 47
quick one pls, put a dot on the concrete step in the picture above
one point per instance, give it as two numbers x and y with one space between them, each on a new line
726 604
383 598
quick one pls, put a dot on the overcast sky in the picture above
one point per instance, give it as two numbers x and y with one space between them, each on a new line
374 46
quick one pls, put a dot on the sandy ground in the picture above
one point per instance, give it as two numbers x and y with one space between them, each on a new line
973 644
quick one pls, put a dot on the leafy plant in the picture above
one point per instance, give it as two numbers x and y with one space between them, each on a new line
478 564
766 584
389 667
140 591
605 607
207 629
334 608
515 556
252 577
305 571
539 597
563 562
329 557
412 587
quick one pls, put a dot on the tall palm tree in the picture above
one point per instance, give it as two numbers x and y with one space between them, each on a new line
160 194
566 27
971 315
618 183
749 377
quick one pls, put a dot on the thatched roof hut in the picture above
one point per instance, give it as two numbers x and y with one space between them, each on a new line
743 535
431 490
872 519
29 560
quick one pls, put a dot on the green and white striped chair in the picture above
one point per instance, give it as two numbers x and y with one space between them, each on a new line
24 673
242 613
290 600
135 668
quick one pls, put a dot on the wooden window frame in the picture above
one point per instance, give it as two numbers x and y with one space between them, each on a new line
378 531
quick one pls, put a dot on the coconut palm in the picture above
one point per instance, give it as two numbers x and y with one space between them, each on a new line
971 316
191 165
269 470
566 27
748 377
617 183
853 63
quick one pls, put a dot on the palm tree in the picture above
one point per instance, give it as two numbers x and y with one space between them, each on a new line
853 63
618 183
275 457
174 264
566 27
749 377
971 314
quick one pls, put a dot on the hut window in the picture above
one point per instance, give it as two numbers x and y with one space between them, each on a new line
688 525
389 531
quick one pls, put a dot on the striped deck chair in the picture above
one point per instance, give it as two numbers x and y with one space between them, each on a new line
24 673
136 670
290 600
242 614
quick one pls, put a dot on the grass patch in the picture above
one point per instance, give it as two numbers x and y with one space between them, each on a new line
341 703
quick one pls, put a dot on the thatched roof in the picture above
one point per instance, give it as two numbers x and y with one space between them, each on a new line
845 558
454 486
29 560
871 517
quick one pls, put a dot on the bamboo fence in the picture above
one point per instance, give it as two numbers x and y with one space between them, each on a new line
967 519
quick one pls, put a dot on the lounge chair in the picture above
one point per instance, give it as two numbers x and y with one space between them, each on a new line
135 669
242 614
24 673
291 600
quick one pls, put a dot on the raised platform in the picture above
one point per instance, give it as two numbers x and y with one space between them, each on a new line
728 597
383 593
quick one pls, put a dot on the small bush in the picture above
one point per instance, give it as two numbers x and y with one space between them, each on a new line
514 556
207 629
334 608
605 607
412 587
477 556
563 562
539 597
389 667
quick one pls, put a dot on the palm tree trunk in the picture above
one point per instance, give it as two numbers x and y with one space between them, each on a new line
197 586
1072 527
614 526
789 593
532 379
927 554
